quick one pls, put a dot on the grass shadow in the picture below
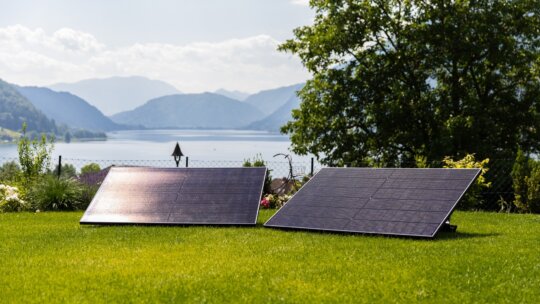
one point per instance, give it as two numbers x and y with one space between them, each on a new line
462 235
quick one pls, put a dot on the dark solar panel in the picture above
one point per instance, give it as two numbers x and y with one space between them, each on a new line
135 195
411 202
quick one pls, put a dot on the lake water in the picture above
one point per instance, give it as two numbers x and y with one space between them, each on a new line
204 148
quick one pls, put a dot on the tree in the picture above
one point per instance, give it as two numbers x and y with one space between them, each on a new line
90 168
397 80
34 155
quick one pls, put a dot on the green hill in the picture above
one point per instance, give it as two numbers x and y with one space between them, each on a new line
16 109
68 109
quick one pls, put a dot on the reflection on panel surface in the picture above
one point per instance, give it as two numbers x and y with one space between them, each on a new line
138 195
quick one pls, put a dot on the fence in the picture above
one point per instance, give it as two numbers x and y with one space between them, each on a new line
499 171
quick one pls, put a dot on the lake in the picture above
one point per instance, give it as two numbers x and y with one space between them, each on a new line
216 148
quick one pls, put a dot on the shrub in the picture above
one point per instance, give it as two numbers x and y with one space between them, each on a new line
90 168
9 171
88 193
10 200
526 183
68 171
51 193
34 155
274 201
473 199
259 162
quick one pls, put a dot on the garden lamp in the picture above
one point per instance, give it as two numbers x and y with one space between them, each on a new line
177 154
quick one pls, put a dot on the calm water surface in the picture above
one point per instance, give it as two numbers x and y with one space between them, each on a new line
206 145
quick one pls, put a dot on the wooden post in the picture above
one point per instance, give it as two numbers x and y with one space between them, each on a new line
59 165
187 161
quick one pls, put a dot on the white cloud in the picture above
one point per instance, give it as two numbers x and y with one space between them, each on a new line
300 2
32 56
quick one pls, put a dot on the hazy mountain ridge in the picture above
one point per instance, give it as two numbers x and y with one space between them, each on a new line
268 101
276 120
117 94
238 95
68 109
16 109
191 111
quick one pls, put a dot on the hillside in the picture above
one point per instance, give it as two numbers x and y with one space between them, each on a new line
16 109
191 111
233 94
117 94
276 120
269 101
68 109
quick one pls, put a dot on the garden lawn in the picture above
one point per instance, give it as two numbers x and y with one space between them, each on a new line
49 257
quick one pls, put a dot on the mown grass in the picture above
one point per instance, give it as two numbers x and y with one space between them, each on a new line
48 257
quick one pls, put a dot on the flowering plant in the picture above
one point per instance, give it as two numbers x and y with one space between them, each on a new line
274 201
10 200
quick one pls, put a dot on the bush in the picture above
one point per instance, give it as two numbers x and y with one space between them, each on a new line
88 193
68 171
274 201
526 182
90 168
473 199
9 171
10 200
51 193
259 162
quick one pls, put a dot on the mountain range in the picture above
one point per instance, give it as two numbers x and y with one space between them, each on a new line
117 94
47 110
238 95
192 111
68 109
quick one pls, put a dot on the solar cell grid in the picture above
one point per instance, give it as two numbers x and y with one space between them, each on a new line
411 202
136 195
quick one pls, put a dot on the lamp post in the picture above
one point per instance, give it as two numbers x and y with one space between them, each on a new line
177 154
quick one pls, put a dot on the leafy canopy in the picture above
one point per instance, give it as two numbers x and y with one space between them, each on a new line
397 80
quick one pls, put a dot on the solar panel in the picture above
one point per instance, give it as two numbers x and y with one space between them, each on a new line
408 202
216 196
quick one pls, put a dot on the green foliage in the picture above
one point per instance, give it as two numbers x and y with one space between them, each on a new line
90 168
10 199
393 80
274 201
51 193
259 162
473 199
9 171
87 194
526 182
34 155
68 171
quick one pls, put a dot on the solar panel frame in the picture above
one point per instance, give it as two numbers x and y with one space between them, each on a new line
86 220
370 199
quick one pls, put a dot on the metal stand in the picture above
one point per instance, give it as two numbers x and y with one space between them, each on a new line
447 227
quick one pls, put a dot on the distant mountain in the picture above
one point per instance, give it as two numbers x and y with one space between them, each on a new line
276 120
233 94
68 109
270 100
117 94
191 111
16 109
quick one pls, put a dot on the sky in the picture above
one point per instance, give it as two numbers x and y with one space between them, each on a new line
195 45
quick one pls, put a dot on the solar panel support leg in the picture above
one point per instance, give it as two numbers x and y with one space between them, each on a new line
447 227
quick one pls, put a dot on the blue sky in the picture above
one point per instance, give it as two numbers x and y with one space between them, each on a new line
194 45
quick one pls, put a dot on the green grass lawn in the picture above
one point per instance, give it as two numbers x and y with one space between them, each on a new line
48 257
